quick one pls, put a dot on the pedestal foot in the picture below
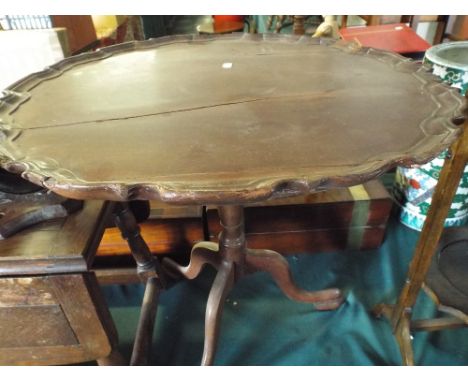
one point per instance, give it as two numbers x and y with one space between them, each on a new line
202 254
275 264
222 285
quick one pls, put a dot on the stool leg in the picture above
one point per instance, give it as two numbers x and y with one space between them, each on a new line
449 179
144 334
402 332
403 337
149 269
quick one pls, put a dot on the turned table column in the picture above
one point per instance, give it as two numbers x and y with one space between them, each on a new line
233 259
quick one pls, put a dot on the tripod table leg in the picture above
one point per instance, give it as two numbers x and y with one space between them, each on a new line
202 253
214 308
275 264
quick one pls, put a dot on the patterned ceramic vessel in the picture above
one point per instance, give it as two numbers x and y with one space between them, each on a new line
449 61
414 186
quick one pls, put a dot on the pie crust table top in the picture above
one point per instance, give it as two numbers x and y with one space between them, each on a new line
223 119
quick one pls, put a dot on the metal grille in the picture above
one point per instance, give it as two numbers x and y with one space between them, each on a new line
8 22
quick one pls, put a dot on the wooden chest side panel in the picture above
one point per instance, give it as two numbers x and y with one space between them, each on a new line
163 236
77 295
330 210
379 212
293 243
335 219
290 218
25 291
47 320
33 326
373 237
43 356
57 246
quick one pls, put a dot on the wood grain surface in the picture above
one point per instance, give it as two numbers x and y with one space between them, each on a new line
223 119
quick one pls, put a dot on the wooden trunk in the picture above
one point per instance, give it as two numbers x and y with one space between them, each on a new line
348 218
170 230
51 308
53 320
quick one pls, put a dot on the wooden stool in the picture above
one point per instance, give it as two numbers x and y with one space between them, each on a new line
429 243
51 308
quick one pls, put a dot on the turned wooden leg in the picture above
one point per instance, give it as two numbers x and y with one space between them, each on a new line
149 270
144 334
222 285
275 264
298 25
202 253
147 264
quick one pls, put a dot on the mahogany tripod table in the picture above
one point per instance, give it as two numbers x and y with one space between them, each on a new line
222 120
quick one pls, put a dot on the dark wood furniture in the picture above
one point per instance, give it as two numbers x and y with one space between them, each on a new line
239 122
331 220
170 230
336 219
51 308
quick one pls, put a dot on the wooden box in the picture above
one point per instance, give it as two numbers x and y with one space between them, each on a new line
348 218
51 308
169 230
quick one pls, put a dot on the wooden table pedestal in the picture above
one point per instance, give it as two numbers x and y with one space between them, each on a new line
233 259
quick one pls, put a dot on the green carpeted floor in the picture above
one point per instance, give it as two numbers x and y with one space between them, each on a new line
260 326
